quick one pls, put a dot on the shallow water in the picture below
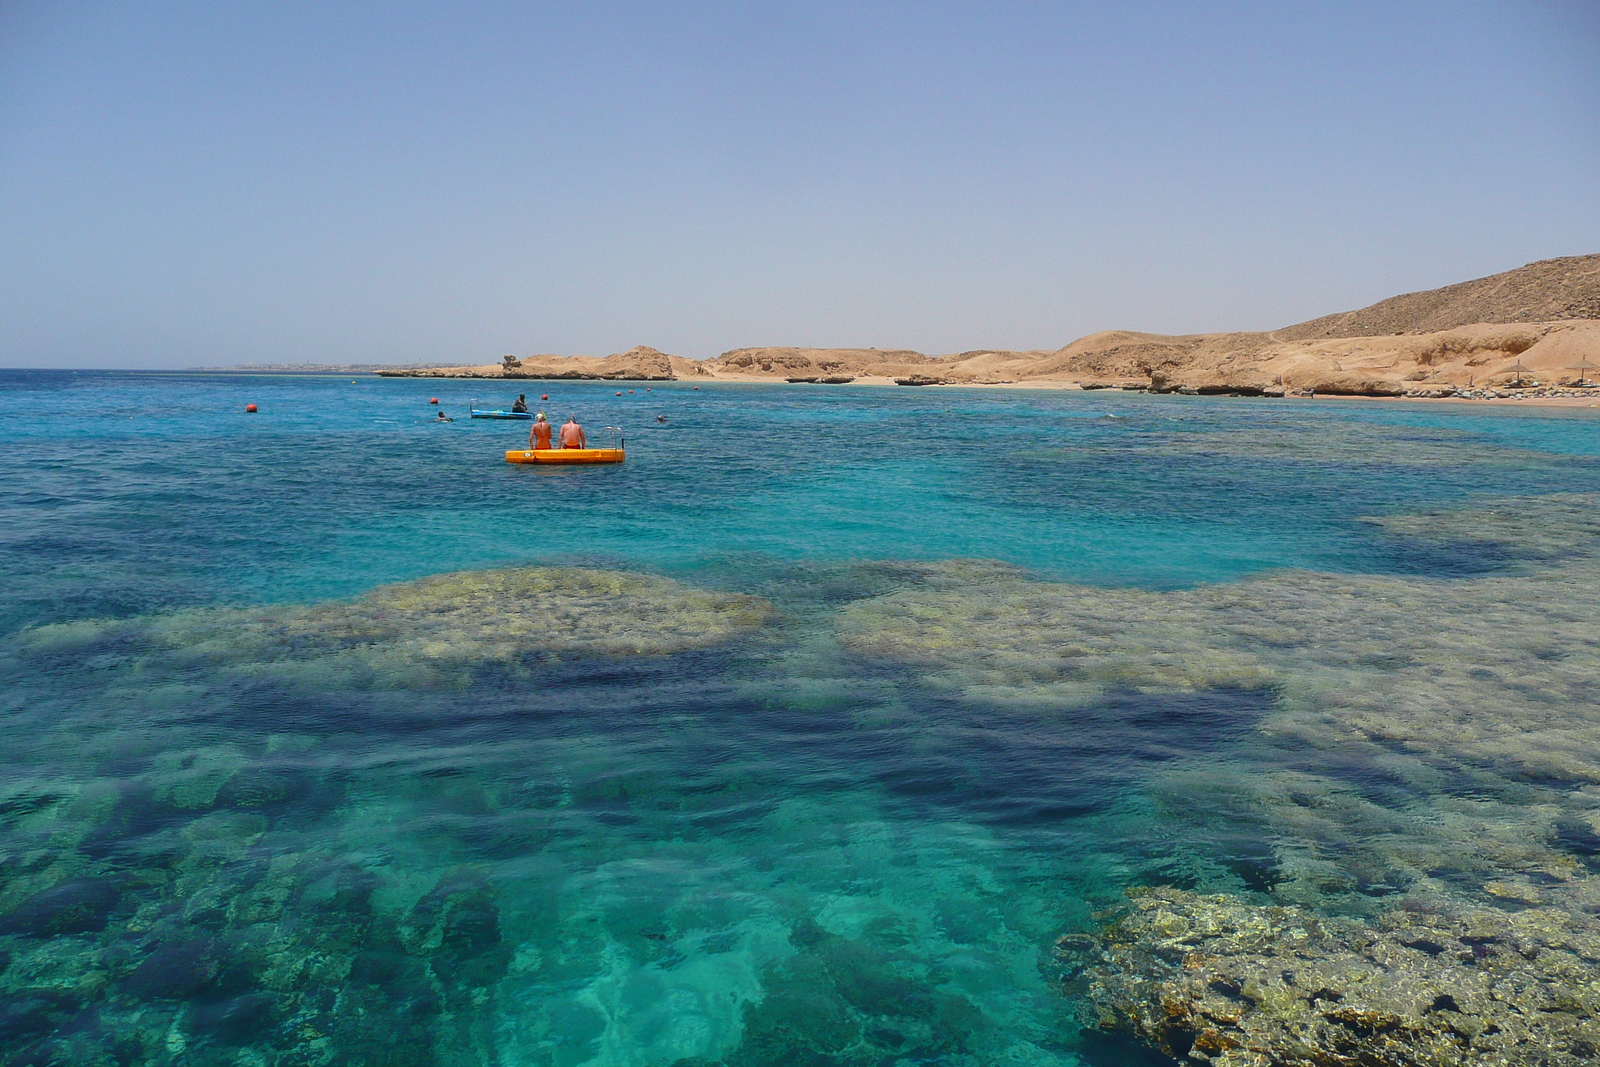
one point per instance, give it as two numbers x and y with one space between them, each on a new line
852 702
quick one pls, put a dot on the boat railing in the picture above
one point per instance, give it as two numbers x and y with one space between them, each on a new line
610 437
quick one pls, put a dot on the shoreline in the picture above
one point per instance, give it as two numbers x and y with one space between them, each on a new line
876 381
1579 402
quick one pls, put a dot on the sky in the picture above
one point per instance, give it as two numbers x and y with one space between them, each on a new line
216 183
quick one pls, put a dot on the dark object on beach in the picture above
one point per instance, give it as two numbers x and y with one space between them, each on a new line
919 379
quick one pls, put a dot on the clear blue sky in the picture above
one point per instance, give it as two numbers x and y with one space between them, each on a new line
219 182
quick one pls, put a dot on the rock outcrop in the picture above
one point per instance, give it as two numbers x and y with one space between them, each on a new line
639 364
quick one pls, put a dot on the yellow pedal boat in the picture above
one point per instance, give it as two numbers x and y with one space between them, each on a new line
564 455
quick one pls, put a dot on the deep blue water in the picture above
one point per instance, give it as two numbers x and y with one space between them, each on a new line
762 849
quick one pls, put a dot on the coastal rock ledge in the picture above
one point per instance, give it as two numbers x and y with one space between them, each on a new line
1217 980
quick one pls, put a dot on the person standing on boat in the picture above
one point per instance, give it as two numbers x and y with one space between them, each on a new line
572 434
521 406
539 436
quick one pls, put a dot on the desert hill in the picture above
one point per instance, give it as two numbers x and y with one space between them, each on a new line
1550 290
1537 322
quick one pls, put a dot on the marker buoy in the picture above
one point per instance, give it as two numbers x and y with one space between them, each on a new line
435 400
544 396
619 394
697 388
250 408
630 390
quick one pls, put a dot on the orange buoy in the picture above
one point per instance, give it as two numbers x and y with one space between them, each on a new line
435 400
251 408
544 396
630 390
697 388
619 394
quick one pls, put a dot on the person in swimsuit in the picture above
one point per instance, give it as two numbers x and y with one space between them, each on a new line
572 434
521 406
539 436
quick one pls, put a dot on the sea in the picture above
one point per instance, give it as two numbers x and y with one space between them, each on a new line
800 738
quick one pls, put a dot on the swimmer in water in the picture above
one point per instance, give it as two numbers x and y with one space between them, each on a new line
539 436
661 418
444 418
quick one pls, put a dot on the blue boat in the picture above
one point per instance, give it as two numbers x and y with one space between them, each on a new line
480 413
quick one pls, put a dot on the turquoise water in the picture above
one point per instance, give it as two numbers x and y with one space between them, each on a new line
825 714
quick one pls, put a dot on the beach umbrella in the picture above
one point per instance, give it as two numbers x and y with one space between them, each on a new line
1582 367
1519 370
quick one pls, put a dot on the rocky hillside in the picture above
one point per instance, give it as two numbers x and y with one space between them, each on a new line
1539 322
1551 290
1534 323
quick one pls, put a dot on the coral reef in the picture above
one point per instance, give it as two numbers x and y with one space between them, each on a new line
1214 980
224 933
226 852
1432 748
281 835
434 631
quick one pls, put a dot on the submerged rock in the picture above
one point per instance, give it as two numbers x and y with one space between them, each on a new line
176 970
1218 980
81 905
